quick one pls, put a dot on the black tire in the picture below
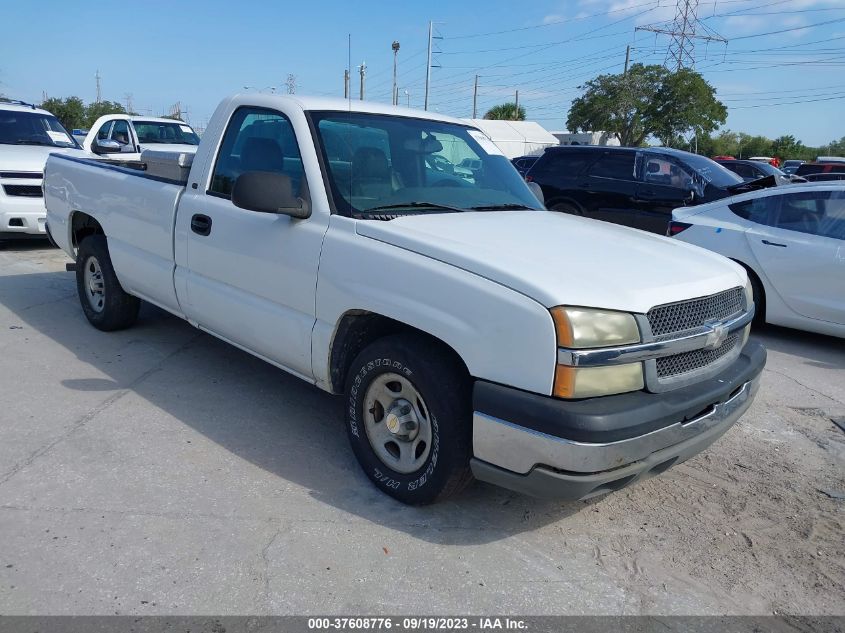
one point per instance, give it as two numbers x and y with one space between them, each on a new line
445 390
117 309
566 207
759 300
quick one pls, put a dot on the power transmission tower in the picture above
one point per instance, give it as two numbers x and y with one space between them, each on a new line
291 84
428 66
684 30
128 98
97 77
362 69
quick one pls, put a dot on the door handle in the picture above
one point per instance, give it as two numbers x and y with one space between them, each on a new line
768 243
201 224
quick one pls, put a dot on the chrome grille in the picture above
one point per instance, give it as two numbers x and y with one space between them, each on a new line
682 316
686 362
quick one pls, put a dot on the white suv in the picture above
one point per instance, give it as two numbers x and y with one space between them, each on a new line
28 135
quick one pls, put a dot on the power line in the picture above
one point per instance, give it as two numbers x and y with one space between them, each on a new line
790 30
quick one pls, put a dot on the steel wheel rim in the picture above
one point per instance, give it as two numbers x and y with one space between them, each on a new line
397 421
95 289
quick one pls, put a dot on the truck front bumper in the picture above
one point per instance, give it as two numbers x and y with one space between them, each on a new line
576 449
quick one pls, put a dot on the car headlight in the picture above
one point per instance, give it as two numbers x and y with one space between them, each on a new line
580 328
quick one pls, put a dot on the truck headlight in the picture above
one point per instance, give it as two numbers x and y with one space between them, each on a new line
580 328
584 327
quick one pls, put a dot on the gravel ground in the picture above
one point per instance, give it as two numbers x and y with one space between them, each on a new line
160 471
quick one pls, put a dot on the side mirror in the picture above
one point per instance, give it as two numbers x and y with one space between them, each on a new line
268 192
105 146
537 191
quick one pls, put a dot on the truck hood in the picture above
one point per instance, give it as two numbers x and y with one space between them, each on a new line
31 157
559 259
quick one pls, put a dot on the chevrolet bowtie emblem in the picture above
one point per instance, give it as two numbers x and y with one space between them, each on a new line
716 336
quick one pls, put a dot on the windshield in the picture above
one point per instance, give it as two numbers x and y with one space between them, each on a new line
33 128
388 165
150 132
711 171
768 169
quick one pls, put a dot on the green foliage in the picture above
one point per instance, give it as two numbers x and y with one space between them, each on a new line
69 111
648 101
95 110
506 112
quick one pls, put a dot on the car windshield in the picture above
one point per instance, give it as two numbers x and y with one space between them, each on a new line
150 132
33 128
383 166
771 170
711 171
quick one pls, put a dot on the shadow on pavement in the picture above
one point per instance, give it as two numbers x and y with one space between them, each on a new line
261 414
817 350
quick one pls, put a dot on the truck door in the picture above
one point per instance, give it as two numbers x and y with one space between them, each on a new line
664 185
250 277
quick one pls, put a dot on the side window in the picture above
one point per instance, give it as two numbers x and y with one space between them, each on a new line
617 165
103 133
256 140
560 163
814 212
120 132
744 171
757 210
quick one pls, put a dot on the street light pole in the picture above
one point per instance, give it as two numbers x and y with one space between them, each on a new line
395 95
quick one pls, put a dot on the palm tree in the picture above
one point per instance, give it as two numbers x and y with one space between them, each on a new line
506 112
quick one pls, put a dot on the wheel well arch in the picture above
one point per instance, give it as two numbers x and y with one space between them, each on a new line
564 200
357 329
81 226
756 281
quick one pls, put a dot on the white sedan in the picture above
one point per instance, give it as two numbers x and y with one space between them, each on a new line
791 240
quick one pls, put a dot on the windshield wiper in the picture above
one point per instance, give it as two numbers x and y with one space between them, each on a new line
414 205
499 207
48 143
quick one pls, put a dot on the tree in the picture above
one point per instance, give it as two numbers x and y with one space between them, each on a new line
95 110
69 111
506 112
787 147
647 101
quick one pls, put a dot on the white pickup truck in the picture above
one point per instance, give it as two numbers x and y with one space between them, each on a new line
470 331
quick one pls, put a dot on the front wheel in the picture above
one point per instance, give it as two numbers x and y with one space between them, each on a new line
106 305
409 419
566 207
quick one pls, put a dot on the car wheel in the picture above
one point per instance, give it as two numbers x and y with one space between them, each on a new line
106 305
409 418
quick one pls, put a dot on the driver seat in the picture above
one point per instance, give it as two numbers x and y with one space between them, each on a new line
371 174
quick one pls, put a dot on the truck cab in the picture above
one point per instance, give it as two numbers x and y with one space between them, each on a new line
123 137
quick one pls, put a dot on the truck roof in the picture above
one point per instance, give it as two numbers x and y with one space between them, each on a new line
335 103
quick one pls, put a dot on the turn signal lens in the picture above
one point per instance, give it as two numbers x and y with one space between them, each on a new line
584 327
588 382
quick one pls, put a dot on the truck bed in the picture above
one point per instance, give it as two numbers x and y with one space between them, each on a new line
131 205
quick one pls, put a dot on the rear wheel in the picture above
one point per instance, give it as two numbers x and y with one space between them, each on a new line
106 305
408 418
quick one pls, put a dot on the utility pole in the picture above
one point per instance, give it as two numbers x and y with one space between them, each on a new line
627 58
363 71
395 47
97 77
431 38
516 109
291 84
346 84
475 98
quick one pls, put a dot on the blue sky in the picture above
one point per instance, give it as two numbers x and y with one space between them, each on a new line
789 82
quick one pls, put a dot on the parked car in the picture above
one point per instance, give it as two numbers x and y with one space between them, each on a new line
635 187
471 331
808 169
750 170
124 137
825 176
27 137
791 240
790 166
524 163
771 160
